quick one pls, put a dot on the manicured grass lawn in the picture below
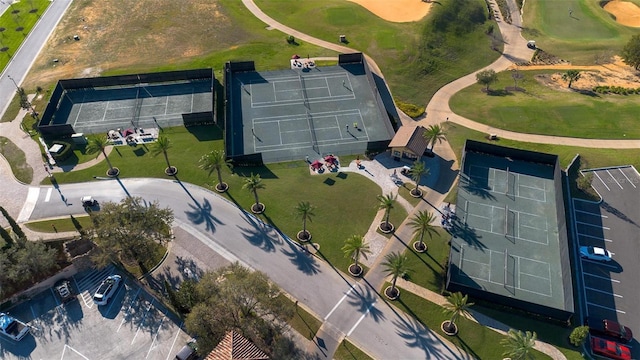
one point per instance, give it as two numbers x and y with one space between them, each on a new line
429 267
17 160
478 341
594 158
64 224
305 323
348 351
577 38
543 110
16 23
402 50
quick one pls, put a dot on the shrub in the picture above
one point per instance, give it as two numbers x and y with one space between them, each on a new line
291 39
579 335
65 153
412 110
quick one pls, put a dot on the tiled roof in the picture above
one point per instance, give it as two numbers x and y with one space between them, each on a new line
234 346
412 138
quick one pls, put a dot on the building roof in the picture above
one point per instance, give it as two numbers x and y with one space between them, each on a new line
412 138
234 346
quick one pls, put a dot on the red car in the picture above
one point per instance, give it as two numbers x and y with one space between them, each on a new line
610 349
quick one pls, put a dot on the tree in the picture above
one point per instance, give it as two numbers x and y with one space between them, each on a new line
457 305
395 265
417 170
516 75
235 298
434 134
33 259
24 100
4 234
353 248
215 161
579 335
130 232
253 184
421 224
386 203
519 345
304 210
631 52
99 144
486 78
161 146
17 230
571 76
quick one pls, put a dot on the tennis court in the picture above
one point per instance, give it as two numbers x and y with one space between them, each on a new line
294 113
98 110
506 240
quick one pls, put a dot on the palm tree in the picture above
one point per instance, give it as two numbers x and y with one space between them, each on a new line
386 203
99 144
571 76
160 147
395 264
304 210
253 184
519 345
417 170
421 224
353 247
434 134
216 160
458 305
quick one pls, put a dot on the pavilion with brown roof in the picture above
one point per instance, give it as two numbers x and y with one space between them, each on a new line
409 143
234 346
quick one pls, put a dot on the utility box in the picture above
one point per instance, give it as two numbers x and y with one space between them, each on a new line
343 38
79 139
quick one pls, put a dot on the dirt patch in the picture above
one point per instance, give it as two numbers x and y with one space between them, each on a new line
144 34
625 12
614 74
397 10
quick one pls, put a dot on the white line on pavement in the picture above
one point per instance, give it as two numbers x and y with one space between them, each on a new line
603 292
361 318
606 307
29 204
601 277
48 196
338 303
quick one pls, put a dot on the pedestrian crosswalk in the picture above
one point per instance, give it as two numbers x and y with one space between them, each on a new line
88 283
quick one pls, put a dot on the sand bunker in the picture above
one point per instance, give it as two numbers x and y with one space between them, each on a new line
397 10
626 13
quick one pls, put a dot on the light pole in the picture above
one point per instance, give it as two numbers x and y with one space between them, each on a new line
19 90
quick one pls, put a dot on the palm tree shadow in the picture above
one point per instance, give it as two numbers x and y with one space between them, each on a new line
303 260
201 214
364 301
467 234
605 205
260 234
476 187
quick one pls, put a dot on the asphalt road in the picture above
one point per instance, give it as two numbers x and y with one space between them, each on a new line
238 236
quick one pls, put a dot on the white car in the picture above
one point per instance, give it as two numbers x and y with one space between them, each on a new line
595 253
106 289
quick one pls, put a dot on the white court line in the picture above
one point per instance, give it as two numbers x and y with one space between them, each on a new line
339 302
606 307
588 224
591 213
603 292
361 317
601 277
614 179
48 196
626 177
599 178
594 237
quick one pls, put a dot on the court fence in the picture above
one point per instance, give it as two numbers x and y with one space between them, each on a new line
50 127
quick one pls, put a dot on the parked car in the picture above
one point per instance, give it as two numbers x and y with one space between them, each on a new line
595 253
610 328
13 328
610 349
88 201
188 352
106 289
65 291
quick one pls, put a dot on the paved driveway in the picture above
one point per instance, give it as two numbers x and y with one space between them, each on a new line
132 325
614 224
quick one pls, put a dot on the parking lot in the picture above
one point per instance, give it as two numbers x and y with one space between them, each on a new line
133 325
610 288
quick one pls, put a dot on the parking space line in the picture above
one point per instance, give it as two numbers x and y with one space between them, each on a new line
598 226
606 307
591 213
127 313
628 180
599 263
614 179
174 341
595 237
599 178
141 321
155 337
603 292
601 277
